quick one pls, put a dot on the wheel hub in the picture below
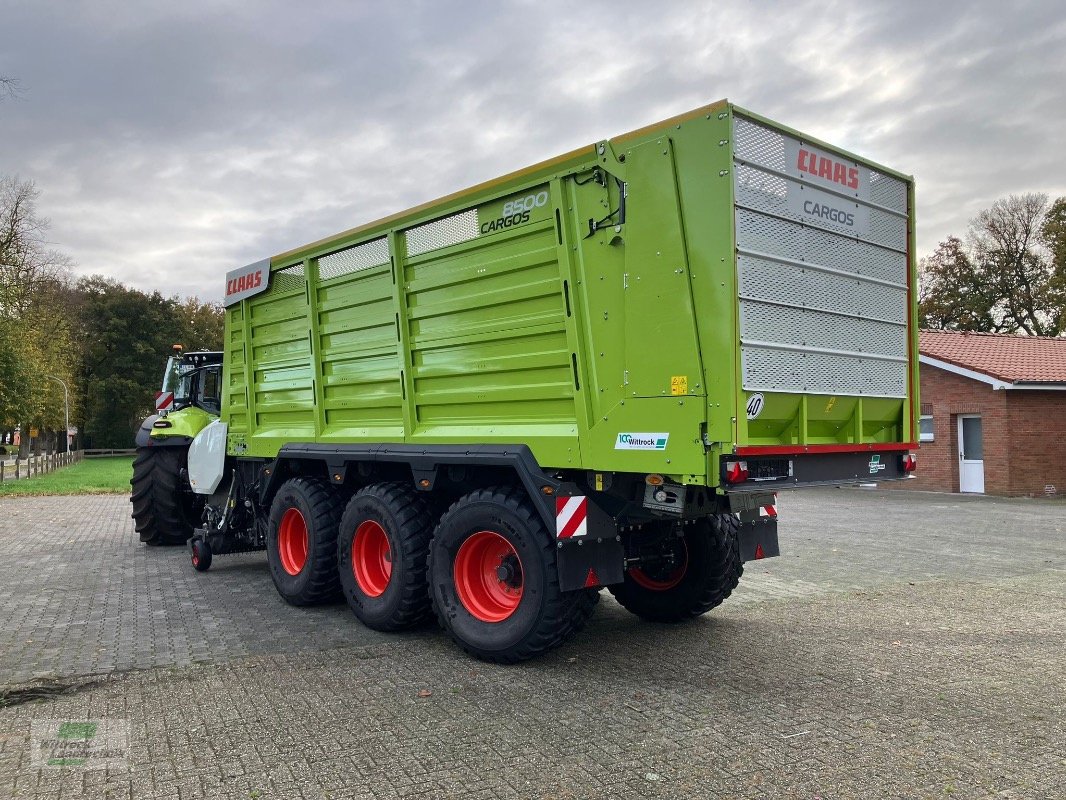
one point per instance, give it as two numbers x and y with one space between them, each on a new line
488 576
292 541
371 558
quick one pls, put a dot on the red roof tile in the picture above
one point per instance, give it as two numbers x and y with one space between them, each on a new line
1010 358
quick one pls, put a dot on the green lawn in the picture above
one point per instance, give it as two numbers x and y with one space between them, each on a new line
91 476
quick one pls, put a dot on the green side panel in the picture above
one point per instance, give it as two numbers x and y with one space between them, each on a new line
235 393
281 386
359 355
486 322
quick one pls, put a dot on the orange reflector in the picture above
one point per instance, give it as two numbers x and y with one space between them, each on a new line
758 552
654 480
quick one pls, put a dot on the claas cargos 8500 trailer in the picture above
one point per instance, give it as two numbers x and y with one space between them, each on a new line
594 372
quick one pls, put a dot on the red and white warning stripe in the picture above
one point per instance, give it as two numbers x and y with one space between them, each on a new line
163 400
768 511
571 516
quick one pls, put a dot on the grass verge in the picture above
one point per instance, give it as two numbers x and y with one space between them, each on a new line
90 476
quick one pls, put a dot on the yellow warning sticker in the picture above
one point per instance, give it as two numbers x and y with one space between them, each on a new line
679 384
829 406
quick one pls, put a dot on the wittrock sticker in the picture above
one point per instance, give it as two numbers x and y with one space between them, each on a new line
641 441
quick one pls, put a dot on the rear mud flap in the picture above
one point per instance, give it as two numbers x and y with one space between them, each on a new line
758 534
591 564
588 550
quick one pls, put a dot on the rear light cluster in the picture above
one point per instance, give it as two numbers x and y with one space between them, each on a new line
910 462
736 471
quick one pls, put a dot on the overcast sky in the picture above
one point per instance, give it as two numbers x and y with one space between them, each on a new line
174 141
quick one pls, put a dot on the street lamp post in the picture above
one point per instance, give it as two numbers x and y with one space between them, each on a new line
66 413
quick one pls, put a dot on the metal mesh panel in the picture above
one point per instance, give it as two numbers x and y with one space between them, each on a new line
461 227
888 191
761 191
802 287
773 370
804 327
791 240
808 282
289 279
757 144
353 259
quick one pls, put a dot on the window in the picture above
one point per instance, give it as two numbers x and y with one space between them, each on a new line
925 428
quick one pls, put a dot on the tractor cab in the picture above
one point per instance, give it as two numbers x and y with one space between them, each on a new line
192 379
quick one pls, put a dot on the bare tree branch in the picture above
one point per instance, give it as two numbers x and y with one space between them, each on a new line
10 88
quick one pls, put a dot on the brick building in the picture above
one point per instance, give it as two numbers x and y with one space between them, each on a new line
993 414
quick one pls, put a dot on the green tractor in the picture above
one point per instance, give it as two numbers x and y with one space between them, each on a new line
165 508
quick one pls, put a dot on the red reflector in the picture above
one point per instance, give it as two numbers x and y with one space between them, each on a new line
758 552
593 580
910 462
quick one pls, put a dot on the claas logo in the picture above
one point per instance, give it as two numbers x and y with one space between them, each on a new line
252 280
828 168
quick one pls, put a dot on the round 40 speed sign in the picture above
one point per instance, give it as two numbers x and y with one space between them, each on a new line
755 405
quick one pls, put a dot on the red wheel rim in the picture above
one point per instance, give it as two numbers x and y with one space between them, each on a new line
660 580
292 541
488 577
195 558
371 558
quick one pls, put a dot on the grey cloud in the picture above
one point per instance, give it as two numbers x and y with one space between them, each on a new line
172 143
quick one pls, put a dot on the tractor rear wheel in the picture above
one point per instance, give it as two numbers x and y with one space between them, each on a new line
494 582
165 510
302 541
381 556
697 572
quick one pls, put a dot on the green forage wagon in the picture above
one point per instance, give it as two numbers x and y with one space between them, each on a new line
594 372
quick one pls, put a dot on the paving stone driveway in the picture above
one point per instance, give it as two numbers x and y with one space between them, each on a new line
907 645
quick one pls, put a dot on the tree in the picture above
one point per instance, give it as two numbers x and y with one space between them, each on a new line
34 344
124 336
27 265
1009 275
16 373
200 324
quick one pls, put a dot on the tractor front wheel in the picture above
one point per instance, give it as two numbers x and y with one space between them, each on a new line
165 510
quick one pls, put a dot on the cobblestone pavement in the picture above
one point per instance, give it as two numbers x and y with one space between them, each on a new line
907 645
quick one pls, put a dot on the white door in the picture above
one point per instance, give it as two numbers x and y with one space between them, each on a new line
971 455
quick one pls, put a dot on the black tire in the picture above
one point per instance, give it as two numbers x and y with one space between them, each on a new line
165 511
395 516
200 555
316 506
711 571
544 617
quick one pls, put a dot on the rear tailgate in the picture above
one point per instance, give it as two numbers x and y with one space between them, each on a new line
827 347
